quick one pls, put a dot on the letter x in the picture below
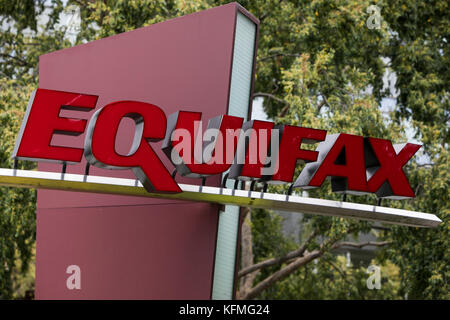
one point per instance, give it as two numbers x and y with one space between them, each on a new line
390 169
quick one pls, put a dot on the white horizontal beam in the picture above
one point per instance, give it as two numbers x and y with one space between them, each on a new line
132 187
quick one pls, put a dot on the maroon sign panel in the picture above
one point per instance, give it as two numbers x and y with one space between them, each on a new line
129 247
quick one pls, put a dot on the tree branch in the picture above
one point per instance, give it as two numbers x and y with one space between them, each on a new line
343 275
281 274
84 3
425 165
323 102
360 245
301 261
279 54
22 62
320 105
273 97
268 95
270 262
246 282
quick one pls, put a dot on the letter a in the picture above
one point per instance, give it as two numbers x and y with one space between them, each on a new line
74 280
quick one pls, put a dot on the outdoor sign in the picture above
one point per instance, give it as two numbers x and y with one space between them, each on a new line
355 164
152 128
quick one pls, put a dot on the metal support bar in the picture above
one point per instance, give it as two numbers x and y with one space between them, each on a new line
86 169
291 187
224 180
265 187
282 202
174 173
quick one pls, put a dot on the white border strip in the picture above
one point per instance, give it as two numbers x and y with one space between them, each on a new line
132 187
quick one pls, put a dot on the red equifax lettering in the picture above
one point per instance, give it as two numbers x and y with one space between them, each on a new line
290 150
42 121
99 148
258 144
355 164
344 160
190 122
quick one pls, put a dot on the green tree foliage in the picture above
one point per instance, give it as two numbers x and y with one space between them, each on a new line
319 65
27 32
419 54
22 40
332 278
17 206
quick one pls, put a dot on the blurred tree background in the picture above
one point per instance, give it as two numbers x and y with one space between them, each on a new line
325 64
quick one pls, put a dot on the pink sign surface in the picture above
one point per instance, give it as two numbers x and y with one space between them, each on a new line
129 247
